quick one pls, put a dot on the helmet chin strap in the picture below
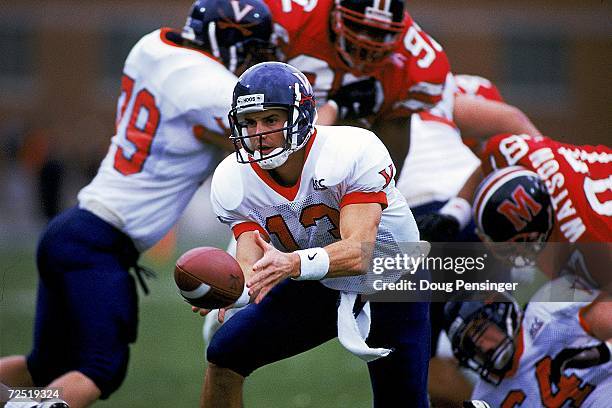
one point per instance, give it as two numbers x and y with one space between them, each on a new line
273 162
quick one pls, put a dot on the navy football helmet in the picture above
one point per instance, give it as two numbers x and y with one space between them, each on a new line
482 334
367 31
236 31
513 205
272 85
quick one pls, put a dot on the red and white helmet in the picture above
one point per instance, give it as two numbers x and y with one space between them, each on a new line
367 31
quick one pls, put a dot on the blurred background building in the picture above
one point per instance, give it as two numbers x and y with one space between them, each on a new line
61 61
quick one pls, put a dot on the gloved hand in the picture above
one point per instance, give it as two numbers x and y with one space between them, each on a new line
436 227
358 99
583 357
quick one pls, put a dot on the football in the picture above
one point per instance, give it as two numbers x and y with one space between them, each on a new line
208 278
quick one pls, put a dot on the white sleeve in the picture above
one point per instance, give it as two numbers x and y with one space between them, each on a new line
205 102
226 198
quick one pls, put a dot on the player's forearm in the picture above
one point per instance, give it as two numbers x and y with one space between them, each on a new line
358 228
481 119
348 258
247 253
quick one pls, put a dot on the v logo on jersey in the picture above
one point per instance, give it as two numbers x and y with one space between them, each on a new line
521 209
240 14
387 175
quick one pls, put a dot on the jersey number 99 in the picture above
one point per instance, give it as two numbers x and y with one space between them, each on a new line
139 130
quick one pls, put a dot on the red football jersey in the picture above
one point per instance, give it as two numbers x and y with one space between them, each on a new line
579 181
412 79
578 178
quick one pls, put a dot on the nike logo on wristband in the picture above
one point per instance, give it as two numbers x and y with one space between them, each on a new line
311 257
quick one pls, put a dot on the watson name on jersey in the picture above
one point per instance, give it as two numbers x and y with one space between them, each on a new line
578 179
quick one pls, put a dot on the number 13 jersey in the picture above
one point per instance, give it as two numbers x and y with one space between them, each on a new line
343 165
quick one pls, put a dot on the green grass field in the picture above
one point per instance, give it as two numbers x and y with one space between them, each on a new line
167 361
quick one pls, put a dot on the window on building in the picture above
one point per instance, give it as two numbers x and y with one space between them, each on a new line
536 60
117 41
536 69
16 49
117 45
18 72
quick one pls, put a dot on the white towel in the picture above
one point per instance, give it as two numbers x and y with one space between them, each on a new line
352 331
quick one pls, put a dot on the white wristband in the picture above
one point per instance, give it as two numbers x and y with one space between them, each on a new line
314 263
459 208
244 299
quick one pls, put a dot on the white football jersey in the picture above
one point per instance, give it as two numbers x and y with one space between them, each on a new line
344 165
438 163
547 329
170 95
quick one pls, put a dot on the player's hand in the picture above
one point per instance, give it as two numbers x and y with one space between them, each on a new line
583 357
270 269
359 99
436 227
204 312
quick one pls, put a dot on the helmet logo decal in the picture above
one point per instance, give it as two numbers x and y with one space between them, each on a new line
306 98
521 209
240 14
243 100
227 22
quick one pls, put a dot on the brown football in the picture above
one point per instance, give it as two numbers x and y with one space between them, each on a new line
208 278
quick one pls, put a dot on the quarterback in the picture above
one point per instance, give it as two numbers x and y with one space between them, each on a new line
301 200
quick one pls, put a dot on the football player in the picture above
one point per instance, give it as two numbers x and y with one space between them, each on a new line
301 199
556 355
577 185
370 58
171 120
